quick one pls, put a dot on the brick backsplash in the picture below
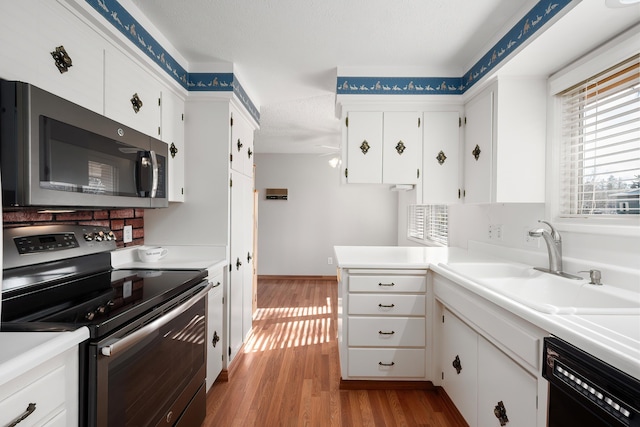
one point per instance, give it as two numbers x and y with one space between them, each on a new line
115 219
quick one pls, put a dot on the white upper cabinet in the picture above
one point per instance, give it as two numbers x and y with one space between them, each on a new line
132 96
173 134
441 157
478 148
364 147
383 147
38 29
504 151
241 145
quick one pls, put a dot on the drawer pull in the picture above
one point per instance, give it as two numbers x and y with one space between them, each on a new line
386 306
386 284
386 364
30 410
386 333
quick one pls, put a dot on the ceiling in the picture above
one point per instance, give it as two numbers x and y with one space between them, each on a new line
286 52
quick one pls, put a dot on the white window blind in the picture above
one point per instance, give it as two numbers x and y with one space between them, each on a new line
600 156
429 223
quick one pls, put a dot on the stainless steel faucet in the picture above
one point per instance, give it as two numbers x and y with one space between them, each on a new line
554 247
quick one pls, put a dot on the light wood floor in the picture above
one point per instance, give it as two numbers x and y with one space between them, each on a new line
288 373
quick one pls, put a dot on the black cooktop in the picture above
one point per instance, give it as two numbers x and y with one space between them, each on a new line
102 301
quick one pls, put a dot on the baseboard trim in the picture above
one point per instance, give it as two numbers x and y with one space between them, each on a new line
280 277
385 385
453 412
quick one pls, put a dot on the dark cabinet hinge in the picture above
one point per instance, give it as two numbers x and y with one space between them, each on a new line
418 173
182 115
459 122
346 172
346 121
418 121
159 102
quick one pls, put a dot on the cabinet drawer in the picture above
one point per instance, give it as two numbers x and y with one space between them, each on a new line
387 304
47 392
387 284
386 332
386 362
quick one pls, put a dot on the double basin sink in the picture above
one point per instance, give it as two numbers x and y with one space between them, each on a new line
546 292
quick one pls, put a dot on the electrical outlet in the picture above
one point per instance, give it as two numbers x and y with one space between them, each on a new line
127 234
532 242
329 260
495 231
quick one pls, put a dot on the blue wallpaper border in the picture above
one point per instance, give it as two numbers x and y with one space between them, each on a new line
532 22
122 20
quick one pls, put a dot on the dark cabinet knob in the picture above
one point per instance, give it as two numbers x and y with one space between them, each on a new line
457 365
501 413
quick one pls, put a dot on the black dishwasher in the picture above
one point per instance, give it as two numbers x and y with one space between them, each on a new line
585 391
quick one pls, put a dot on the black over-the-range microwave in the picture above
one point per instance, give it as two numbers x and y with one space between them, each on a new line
55 153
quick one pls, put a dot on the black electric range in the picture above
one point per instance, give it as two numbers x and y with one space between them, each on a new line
60 278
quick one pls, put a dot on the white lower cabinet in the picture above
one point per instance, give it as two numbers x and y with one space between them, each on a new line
484 383
459 359
47 395
489 360
214 330
382 325
504 385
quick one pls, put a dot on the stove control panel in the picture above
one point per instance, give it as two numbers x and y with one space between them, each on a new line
45 243
37 244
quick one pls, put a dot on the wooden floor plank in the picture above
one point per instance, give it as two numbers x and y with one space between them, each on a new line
288 373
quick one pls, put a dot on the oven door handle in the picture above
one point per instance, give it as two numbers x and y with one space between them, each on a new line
129 341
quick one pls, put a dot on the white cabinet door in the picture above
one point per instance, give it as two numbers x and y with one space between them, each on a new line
236 274
214 331
247 252
402 150
241 145
36 29
240 281
127 83
364 147
20 41
478 149
459 358
173 134
503 383
441 157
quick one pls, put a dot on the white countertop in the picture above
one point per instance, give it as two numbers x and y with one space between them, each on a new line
178 257
22 351
614 339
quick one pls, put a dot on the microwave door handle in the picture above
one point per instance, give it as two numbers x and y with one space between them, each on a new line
129 341
142 172
154 182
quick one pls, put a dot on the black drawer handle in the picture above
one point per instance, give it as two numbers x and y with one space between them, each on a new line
386 284
386 364
386 306
30 410
386 333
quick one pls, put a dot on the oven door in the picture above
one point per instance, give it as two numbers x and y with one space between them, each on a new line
152 373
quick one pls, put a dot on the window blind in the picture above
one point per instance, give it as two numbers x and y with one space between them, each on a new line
600 156
429 223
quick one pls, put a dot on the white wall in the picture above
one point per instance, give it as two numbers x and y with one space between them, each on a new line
296 236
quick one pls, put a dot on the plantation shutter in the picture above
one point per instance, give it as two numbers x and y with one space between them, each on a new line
600 156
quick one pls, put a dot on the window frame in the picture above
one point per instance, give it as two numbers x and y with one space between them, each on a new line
608 55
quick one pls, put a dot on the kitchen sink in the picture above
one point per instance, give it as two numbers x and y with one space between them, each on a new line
548 293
